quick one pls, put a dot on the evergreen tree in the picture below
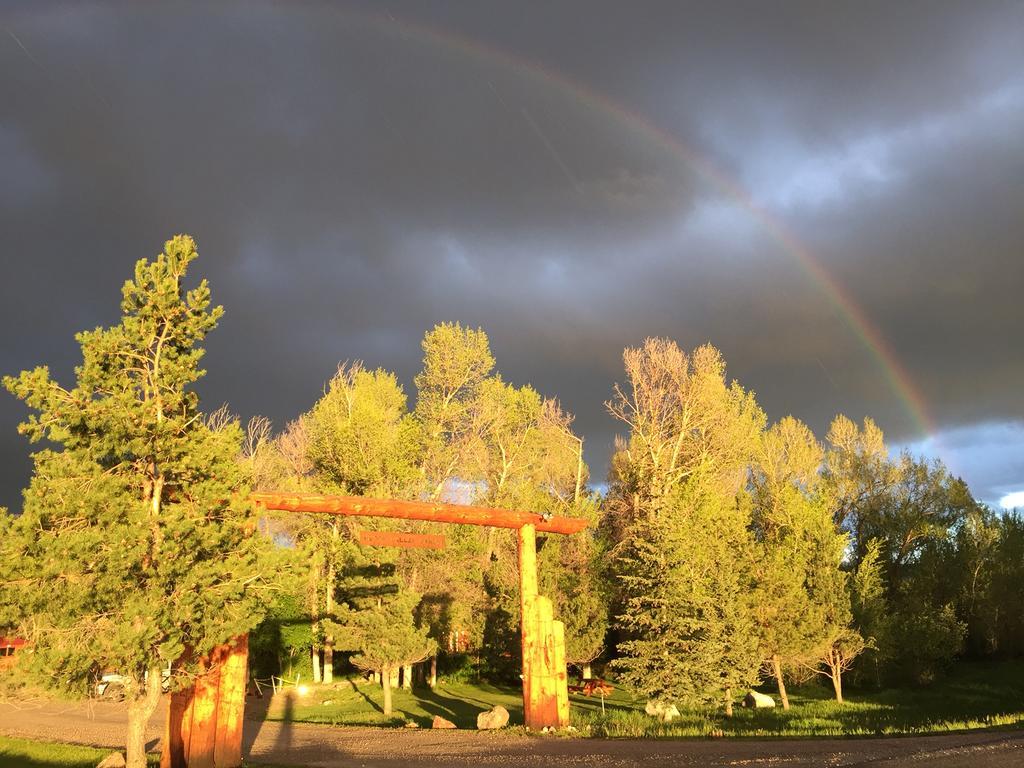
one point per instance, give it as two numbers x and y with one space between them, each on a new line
687 606
135 549
792 516
684 547
830 594
387 638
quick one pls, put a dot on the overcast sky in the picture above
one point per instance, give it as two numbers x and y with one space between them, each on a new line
572 177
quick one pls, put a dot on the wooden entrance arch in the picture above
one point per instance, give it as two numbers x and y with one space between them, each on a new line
204 724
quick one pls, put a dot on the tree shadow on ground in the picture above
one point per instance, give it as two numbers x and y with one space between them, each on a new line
359 689
462 712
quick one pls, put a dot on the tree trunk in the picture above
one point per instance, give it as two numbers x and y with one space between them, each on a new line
328 672
488 550
834 661
386 678
777 670
579 472
433 672
837 684
407 677
588 673
136 740
140 709
314 620
728 702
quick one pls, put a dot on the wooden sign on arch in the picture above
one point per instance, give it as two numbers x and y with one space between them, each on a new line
400 539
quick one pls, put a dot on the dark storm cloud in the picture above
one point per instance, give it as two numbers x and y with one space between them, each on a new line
356 173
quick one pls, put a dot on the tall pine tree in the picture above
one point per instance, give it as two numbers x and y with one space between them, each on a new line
134 546
682 521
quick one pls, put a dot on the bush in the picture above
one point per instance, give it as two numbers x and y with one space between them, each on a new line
920 645
281 644
457 668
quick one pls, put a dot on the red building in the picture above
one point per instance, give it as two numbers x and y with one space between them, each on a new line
10 647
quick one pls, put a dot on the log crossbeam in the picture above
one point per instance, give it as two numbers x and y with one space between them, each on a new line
417 510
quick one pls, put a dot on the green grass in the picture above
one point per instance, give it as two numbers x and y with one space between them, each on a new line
357 702
972 696
22 753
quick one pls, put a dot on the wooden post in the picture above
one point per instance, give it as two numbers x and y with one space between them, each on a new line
561 676
203 726
204 722
546 713
177 734
528 620
231 705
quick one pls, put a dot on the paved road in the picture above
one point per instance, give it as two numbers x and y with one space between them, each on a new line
319 746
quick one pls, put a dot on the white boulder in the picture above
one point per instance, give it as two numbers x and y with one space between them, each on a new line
661 710
755 700
493 719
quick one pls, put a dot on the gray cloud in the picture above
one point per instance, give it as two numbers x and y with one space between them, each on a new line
356 173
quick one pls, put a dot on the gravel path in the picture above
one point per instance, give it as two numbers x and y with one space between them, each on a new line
318 746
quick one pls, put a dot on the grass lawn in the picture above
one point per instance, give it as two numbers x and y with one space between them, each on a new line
357 702
972 696
22 753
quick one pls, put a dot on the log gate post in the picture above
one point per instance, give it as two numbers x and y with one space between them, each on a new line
528 623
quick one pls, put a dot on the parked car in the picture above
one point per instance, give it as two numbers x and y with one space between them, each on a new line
111 685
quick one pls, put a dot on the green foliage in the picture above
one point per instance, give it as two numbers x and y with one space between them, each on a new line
280 644
576 572
1006 587
386 636
501 656
361 439
135 543
490 442
802 604
687 590
926 557
920 644
456 361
